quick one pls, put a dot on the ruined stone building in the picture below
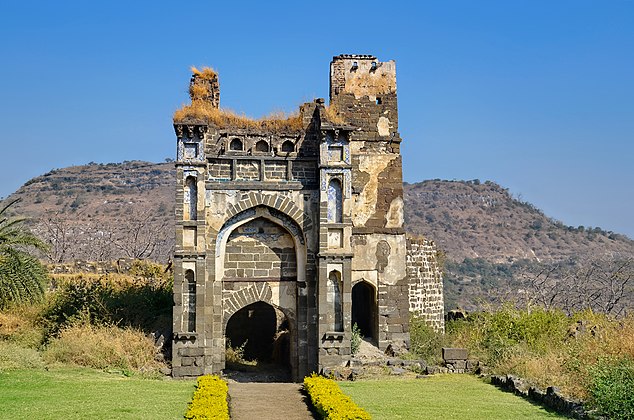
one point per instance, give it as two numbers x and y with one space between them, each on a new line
289 231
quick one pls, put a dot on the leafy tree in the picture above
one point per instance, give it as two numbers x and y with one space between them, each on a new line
22 276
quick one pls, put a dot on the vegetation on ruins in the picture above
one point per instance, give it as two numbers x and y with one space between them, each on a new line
205 73
202 110
22 276
199 111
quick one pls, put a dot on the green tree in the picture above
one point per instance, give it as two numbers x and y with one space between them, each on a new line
22 276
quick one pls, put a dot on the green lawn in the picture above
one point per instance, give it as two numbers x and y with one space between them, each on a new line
78 393
440 397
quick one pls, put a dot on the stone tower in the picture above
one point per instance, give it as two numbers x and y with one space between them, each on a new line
290 231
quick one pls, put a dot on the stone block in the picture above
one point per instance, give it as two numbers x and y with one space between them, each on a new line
452 353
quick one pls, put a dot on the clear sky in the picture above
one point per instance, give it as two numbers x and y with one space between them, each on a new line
536 95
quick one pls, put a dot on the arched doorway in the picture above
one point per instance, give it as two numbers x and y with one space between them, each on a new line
259 335
364 310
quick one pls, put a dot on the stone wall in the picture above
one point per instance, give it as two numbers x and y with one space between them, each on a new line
426 297
260 249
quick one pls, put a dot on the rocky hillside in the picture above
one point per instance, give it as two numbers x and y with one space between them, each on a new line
482 220
101 212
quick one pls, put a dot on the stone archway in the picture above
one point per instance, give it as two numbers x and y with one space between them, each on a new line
364 309
260 257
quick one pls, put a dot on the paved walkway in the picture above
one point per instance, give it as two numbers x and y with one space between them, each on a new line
263 401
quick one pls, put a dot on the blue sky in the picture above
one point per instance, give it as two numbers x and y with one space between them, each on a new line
537 96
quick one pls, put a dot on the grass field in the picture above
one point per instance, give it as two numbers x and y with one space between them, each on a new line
440 397
78 393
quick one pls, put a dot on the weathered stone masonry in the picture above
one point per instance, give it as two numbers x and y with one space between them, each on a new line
297 230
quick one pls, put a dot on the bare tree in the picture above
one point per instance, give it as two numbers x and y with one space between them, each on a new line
605 285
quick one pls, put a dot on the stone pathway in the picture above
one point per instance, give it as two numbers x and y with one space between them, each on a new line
263 401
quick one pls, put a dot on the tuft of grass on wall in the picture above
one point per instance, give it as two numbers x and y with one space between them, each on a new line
206 73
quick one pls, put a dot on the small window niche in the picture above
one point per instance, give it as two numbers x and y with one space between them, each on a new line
235 145
190 199
189 302
288 146
335 201
262 147
333 296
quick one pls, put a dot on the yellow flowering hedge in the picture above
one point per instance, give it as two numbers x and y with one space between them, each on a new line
330 402
209 400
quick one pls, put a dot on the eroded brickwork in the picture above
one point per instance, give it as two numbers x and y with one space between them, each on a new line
425 286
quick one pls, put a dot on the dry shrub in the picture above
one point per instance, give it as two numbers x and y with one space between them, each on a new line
14 356
102 347
135 301
206 73
548 348
370 84
21 325
221 118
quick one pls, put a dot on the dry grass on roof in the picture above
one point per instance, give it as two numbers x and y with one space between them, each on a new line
221 118
331 114
198 91
206 73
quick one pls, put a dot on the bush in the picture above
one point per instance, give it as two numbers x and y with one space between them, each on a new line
139 302
355 339
330 402
424 341
209 400
611 389
20 325
14 356
103 347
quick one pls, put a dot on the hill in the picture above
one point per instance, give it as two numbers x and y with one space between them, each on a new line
106 211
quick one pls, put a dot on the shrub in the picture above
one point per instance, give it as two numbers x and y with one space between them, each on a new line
355 339
14 356
141 302
103 347
329 401
209 400
424 341
611 389
20 325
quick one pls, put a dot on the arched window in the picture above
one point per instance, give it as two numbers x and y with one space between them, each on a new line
261 146
288 146
189 302
333 296
335 201
235 145
190 199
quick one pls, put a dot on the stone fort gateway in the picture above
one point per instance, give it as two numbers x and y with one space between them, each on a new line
289 231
